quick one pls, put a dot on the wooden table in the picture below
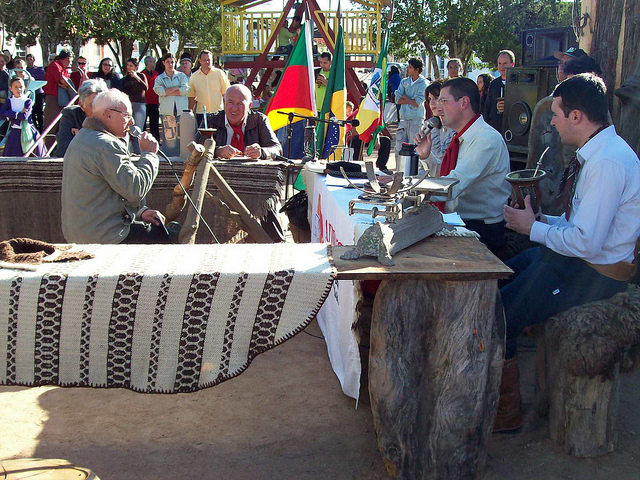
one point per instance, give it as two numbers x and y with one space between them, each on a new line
436 354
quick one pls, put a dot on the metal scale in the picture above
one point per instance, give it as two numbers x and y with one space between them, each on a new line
408 216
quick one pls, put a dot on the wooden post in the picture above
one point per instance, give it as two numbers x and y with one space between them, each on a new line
190 228
178 200
434 376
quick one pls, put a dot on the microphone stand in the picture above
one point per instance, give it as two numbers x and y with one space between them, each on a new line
289 133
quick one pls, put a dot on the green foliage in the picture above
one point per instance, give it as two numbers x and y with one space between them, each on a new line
465 27
117 23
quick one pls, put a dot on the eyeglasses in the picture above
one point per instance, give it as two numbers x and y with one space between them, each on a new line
127 116
108 65
82 63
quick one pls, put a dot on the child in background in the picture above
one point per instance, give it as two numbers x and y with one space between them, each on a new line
22 133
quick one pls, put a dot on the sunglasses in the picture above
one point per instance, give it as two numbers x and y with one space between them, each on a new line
82 63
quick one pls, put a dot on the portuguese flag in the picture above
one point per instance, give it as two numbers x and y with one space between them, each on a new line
335 102
295 92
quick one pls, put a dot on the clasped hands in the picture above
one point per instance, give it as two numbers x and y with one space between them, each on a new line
252 151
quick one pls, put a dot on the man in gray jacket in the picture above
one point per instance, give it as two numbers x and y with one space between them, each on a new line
103 186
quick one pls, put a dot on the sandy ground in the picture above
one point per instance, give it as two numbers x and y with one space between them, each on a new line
284 418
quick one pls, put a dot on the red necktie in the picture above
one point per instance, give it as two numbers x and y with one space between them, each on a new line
450 159
570 179
237 141
568 185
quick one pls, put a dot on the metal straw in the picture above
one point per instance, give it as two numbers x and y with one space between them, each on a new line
535 172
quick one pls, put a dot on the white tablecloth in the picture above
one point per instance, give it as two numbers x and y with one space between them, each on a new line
332 223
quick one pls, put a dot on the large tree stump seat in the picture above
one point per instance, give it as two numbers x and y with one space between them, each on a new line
584 350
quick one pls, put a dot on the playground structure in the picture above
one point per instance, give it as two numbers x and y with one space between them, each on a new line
249 37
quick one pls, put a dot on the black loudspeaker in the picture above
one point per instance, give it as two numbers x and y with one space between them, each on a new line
539 45
524 87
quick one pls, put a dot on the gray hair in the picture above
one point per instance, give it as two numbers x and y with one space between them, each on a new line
111 98
149 59
89 87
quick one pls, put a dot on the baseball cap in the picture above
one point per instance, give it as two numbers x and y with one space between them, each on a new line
186 56
574 52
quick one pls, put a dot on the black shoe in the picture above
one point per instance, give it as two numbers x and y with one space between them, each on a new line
386 171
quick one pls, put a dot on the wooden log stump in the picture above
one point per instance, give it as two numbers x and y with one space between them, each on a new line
582 410
585 349
434 376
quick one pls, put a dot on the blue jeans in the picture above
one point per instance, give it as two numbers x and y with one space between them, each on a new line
139 117
545 284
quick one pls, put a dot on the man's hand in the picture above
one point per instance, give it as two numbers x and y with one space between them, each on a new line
423 145
227 151
321 80
148 143
520 220
253 151
152 216
500 106
74 131
403 100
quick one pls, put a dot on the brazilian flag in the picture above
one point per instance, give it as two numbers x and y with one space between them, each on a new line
334 106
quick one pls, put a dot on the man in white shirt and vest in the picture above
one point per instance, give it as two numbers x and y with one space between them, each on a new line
587 253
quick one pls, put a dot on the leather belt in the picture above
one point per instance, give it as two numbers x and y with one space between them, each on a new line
621 271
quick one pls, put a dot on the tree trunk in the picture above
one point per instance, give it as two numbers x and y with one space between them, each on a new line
612 37
434 376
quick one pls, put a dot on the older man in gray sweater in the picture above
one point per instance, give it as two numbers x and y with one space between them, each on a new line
103 186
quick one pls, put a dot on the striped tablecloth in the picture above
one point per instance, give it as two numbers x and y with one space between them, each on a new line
157 319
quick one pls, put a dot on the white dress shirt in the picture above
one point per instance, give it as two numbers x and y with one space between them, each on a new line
482 167
605 218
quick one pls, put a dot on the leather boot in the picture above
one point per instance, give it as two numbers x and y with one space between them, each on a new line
509 417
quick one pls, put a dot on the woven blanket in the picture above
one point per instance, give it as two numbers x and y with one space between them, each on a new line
157 319
34 186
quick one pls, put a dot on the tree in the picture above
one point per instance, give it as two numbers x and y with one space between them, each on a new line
462 28
116 23
50 21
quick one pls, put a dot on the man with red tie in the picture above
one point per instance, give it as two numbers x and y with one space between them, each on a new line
241 131
587 253
478 158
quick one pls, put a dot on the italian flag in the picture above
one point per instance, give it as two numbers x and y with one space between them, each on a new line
371 111
295 92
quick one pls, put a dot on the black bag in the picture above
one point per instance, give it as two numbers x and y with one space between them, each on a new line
296 210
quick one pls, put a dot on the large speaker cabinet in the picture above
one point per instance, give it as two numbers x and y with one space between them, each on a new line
524 87
539 45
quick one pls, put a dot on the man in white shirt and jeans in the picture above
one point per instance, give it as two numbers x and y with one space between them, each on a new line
587 252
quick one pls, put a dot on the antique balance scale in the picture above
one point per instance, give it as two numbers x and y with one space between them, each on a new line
408 216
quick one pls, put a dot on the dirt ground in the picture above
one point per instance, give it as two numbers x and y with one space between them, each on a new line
284 418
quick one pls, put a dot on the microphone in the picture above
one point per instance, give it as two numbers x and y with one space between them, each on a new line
355 122
135 131
433 122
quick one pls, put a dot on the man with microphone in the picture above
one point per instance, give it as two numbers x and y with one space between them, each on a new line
104 186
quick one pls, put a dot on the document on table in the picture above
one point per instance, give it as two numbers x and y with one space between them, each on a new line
332 181
453 219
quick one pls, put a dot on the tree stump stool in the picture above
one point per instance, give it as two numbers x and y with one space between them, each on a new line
585 349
